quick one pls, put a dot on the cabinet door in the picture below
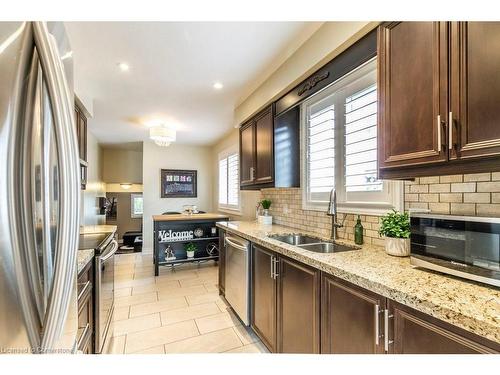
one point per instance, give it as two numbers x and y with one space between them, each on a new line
263 319
413 93
352 319
475 89
298 308
264 141
247 154
417 333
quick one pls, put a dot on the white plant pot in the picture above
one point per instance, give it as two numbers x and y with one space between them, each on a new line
190 254
266 220
399 247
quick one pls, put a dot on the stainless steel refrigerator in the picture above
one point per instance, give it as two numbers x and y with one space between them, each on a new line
39 190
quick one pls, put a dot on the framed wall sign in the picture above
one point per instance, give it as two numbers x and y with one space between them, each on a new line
176 183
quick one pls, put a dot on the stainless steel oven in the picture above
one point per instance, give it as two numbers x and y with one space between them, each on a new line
467 247
104 294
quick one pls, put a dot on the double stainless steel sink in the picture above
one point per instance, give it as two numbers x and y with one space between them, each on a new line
313 244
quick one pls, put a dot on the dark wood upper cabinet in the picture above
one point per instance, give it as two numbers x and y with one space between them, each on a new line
264 146
352 319
263 297
247 153
298 308
475 88
257 151
439 91
417 333
413 87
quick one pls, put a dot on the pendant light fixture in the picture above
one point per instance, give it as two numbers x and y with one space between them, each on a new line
162 135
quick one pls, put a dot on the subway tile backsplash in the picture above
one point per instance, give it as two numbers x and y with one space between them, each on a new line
470 194
286 209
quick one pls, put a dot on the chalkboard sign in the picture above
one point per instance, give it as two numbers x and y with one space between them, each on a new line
177 183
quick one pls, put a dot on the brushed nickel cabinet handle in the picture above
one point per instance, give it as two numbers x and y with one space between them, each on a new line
439 132
387 342
272 267
276 274
450 129
377 324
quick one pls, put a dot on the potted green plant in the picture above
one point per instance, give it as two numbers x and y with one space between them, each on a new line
395 227
265 218
190 249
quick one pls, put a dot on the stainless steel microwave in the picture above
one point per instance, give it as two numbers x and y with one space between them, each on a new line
467 247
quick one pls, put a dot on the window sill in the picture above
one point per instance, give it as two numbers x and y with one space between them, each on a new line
357 210
232 211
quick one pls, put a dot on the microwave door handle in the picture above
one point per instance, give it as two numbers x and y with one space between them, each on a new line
18 233
69 185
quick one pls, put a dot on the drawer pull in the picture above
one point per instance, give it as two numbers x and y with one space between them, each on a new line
82 337
86 286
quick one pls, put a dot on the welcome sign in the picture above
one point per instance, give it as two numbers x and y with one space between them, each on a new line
171 236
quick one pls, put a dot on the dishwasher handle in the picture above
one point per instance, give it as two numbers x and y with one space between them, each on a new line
234 243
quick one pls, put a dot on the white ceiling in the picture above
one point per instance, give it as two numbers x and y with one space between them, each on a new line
173 66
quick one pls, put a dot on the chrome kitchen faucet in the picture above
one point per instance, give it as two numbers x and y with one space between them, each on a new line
332 211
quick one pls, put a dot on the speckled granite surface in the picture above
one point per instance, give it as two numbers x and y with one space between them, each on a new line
89 229
473 307
84 257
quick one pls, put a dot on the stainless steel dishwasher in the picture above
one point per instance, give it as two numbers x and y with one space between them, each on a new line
237 287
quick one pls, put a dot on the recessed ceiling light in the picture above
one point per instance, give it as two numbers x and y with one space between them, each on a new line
218 85
123 66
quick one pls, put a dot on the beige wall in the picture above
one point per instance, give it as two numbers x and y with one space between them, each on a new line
248 199
175 156
119 165
89 214
328 41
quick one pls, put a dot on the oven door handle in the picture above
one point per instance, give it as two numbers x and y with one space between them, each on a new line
110 253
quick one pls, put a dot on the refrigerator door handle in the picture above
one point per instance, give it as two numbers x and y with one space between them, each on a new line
69 185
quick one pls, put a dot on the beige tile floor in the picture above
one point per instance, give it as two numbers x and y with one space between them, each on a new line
179 311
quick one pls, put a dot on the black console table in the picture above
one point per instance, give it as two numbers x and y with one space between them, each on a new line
172 232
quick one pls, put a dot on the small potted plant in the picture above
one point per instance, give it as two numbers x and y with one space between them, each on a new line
395 227
190 249
265 218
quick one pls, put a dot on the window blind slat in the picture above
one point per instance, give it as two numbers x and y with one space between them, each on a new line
361 141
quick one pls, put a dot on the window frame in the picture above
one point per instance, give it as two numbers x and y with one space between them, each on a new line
225 154
133 215
374 203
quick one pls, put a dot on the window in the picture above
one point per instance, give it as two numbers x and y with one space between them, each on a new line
229 182
136 205
340 143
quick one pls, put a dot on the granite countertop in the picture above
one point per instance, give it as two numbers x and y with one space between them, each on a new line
470 306
83 258
179 217
92 229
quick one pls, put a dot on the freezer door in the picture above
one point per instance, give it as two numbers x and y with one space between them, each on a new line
39 230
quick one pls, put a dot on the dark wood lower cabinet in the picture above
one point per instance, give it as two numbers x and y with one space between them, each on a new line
351 319
298 307
413 332
263 297
85 285
222 262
